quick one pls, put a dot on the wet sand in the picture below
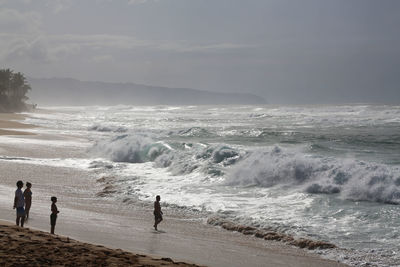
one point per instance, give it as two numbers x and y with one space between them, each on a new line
9 124
127 224
28 247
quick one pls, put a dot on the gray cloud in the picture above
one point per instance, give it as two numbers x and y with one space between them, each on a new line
34 50
58 6
103 59
59 46
14 21
133 2
286 51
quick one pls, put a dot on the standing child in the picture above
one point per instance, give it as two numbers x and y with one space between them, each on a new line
19 204
157 212
53 215
28 199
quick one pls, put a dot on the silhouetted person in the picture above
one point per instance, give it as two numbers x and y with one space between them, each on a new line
53 215
28 199
157 212
19 203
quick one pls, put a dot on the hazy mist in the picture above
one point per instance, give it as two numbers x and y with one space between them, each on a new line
309 51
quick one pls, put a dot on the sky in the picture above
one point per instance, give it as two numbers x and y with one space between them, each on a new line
287 51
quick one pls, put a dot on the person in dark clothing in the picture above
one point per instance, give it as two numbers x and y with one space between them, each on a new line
19 204
53 215
157 212
28 199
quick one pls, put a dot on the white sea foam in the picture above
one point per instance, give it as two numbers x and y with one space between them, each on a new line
129 148
83 164
56 143
356 180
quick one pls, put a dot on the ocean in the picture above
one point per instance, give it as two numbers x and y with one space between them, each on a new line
322 172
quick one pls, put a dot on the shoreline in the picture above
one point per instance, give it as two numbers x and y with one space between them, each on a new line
128 226
11 121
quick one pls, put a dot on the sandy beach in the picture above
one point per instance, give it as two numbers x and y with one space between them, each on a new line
10 126
28 247
125 229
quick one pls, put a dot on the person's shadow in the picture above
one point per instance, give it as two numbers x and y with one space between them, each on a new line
158 231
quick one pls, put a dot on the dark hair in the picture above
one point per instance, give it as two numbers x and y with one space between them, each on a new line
20 184
157 197
28 184
53 199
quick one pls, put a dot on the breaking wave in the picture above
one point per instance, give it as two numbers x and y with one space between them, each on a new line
352 179
129 148
267 167
180 158
101 128
193 132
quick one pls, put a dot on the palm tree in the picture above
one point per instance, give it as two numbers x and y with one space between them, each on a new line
5 78
13 90
19 87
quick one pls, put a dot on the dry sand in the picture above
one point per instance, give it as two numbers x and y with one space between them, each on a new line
125 225
27 247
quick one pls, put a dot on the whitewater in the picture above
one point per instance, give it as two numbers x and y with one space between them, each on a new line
322 172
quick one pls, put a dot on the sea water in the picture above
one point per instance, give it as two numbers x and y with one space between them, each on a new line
323 172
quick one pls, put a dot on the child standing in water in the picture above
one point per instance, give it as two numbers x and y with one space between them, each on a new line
28 199
19 203
53 216
157 212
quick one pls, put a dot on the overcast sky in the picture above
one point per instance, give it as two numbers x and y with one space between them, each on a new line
297 51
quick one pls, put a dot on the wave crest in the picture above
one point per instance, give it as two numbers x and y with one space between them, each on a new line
130 148
101 128
354 180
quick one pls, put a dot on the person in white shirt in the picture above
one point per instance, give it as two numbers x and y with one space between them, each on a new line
19 203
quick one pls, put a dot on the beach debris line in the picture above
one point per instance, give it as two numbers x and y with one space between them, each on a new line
269 235
108 188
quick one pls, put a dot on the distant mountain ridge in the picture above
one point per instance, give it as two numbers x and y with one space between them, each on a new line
67 91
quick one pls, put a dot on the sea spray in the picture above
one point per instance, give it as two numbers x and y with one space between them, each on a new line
180 158
263 167
102 128
352 179
129 148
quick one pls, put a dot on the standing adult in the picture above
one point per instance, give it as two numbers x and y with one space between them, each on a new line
19 203
28 199
53 215
157 212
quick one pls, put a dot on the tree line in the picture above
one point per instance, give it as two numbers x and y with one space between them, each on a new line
13 90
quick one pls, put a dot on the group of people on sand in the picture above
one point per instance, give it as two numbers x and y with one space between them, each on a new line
23 202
